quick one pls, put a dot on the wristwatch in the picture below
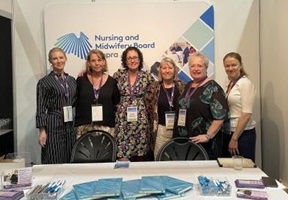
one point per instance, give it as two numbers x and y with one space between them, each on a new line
208 136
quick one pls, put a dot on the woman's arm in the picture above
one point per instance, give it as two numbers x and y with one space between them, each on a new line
242 122
211 132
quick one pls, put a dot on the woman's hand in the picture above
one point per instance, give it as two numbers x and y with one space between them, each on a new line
42 137
233 147
199 139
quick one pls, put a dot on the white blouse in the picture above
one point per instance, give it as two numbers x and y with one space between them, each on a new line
241 99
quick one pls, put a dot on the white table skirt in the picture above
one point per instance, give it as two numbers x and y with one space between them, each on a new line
185 170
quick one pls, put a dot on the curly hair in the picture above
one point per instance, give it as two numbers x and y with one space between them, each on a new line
124 57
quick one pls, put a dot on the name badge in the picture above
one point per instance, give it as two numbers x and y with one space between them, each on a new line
132 114
68 113
169 120
182 117
97 112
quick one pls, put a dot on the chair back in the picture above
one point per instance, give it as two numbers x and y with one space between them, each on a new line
181 148
94 146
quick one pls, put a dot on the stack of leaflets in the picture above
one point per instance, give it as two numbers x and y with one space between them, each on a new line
164 187
84 190
102 188
17 179
109 187
252 194
152 185
11 195
131 189
161 187
245 183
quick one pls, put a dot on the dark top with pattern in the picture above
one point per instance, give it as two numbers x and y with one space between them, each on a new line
109 97
206 104
133 138
51 97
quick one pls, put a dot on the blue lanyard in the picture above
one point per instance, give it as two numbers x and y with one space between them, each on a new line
191 91
170 98
132 90
63 83
95 91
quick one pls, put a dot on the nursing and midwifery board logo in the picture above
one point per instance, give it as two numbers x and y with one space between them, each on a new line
199 36
71 44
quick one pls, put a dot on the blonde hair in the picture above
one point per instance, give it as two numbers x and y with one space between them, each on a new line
169 61
54 50
101 55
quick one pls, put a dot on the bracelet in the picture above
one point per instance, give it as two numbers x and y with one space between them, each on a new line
208 136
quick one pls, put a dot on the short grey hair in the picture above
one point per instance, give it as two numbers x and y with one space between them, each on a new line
201 55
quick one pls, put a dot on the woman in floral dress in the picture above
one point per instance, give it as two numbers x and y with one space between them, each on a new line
132 126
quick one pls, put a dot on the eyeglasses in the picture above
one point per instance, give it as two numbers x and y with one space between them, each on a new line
132 58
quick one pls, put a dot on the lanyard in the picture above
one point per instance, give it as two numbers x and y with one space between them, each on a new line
170 98
132 88
231 85
63 83
191 91
96 92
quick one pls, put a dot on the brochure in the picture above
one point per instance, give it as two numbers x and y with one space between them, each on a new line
252 194
152 185
17 179
11 195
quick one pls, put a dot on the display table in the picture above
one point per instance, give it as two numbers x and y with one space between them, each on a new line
185 170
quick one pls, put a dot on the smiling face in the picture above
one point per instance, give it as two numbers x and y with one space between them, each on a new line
58 59
197 68
96 63
167 71
132 60
232 68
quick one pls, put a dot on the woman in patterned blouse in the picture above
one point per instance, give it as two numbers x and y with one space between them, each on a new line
132 127
161 98
202 108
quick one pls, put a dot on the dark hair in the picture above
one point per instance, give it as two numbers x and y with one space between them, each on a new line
239 58
124 57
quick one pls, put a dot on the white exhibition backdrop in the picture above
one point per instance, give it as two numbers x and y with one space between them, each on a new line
112 27
236 29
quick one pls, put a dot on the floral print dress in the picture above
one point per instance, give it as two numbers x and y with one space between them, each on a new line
133 138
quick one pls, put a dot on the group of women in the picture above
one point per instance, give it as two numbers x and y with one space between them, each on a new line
141 113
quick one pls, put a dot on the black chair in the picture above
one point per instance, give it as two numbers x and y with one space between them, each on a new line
181 148
94 146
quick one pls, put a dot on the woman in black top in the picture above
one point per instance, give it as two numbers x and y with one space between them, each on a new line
97 96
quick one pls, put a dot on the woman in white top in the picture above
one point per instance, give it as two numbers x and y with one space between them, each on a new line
240 94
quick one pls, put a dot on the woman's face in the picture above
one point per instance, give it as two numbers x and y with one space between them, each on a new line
96 63
58 61
197 68
167 71
132 60
232 68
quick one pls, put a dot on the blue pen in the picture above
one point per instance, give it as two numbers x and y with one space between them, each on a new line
57 187
52 187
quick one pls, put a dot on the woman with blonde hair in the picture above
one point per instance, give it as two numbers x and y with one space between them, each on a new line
56 94
161 97
97 96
